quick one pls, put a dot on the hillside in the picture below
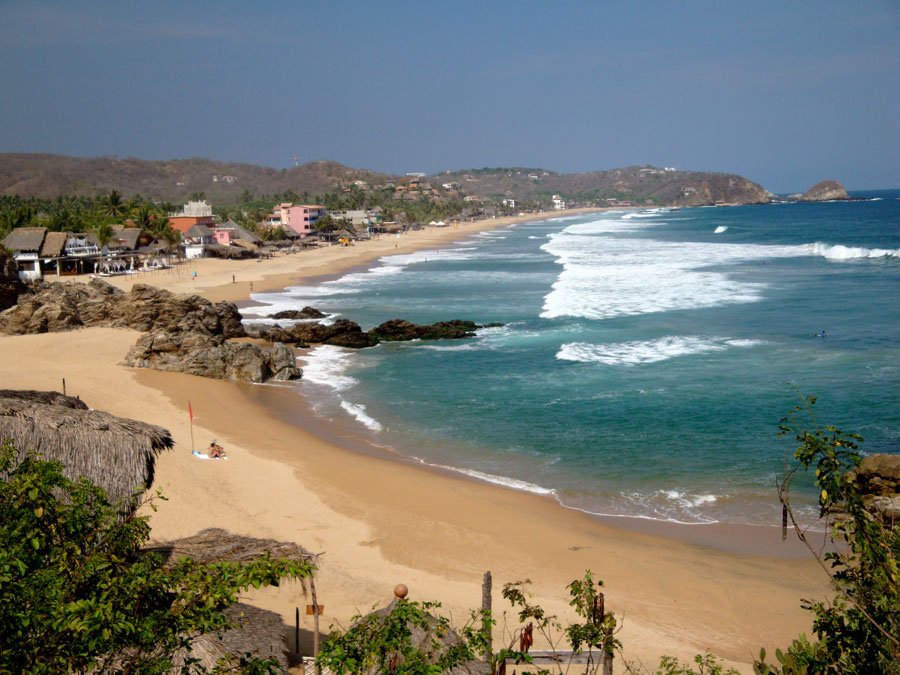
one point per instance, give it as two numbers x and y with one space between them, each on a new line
636 183
51 176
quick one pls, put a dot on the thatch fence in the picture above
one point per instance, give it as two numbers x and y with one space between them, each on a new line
115 453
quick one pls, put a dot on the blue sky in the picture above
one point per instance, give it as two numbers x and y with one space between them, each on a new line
784 93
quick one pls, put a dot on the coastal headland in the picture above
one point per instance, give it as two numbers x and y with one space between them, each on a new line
378 522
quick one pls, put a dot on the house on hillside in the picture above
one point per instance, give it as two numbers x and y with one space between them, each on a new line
559 203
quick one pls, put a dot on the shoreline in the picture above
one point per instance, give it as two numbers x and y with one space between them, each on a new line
383 522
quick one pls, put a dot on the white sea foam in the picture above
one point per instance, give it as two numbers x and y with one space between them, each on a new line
841 252
503 481
645 351
720 229
452 348
326 365
606 273
359 412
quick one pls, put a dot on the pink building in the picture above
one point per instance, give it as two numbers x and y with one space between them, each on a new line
301 217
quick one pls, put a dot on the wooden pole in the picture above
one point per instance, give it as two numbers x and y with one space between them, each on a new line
486 585
312 586
64 386
297 631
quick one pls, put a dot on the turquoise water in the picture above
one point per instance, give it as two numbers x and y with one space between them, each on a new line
646 358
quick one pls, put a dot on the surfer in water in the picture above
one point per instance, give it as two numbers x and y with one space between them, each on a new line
822 334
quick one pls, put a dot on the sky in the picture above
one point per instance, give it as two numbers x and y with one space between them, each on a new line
783 93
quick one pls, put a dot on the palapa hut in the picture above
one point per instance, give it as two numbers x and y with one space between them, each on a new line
424 638
260 631
115 453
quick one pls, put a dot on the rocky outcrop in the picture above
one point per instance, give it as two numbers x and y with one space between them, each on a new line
10 284
398 329
825 191
878 480
55 307
343 333
305 313
213 356
182 333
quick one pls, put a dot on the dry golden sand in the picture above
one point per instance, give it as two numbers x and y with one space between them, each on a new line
381 522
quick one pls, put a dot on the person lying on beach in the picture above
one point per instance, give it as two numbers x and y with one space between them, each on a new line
215 450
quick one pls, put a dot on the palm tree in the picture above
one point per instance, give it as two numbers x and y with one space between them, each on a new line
104 233
111 204
144 217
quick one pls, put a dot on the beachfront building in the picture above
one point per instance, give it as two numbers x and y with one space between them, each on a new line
197 241
511 203
559 203
193 213
231 232
358 217
301 218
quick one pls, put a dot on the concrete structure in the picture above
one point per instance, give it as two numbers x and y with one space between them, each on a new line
196 240
558 203
193 213
301 217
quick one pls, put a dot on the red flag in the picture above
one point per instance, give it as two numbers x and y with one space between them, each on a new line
190 410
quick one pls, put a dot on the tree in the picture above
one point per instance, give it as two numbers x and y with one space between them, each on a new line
78 593
104 233
111 204
859 631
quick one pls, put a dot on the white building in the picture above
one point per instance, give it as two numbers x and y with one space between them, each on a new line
559 203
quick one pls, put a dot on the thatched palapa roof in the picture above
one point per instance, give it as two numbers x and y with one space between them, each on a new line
45 397
25 239
217 545
54 243
115 453
260 631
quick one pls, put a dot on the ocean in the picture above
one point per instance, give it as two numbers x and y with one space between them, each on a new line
645 360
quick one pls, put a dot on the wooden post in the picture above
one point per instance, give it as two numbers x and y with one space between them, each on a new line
784 515
312 586
64 386
486 585
297 630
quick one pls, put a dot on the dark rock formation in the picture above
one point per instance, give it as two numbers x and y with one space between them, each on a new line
825 191
10 284
398 329
305 313
342 333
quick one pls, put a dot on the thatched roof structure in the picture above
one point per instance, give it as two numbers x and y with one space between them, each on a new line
261 631
422 638
125 239
240 232
258 631
223 251
115 453
215 545
198 230
45 397
54 243
25 239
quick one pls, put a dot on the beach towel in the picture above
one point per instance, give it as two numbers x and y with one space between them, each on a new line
199 455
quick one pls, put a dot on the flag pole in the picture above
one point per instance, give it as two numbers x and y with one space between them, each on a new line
191 414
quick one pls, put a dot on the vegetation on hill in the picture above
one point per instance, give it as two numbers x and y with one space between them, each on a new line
227 184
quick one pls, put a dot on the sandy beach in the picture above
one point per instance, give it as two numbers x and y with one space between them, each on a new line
379 522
